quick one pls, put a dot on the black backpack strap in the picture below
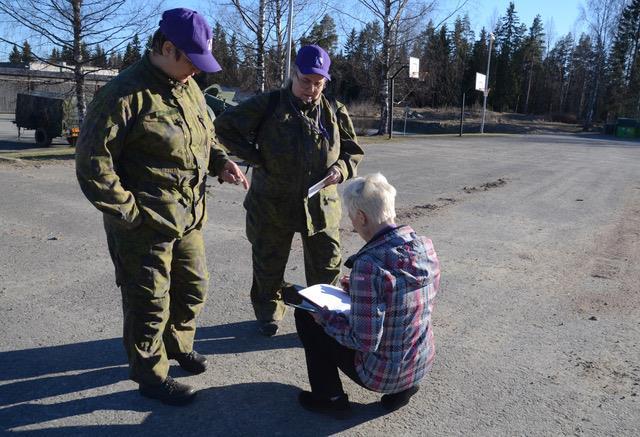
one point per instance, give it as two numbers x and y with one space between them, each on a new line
274 99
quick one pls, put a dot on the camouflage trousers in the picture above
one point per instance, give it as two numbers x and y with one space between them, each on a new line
270 246
164 285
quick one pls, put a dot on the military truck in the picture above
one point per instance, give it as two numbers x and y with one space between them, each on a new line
54 115
217 99
51 115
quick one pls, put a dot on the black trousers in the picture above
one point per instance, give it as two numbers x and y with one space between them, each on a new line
324 357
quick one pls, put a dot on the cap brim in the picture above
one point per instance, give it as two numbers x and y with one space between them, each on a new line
204 62
315 71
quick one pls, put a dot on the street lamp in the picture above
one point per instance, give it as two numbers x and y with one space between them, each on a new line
289 40
492 37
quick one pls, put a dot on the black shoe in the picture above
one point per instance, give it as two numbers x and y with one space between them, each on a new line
339 408
268 328
192 362
397 400
169 391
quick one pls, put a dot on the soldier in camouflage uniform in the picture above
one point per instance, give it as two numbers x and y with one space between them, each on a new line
301 138
143 156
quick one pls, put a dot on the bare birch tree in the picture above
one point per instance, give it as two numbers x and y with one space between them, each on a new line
393 13
261 29
399 18
601 17
253 15
78 26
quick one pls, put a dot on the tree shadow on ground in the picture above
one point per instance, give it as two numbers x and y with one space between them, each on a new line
36 373
263 408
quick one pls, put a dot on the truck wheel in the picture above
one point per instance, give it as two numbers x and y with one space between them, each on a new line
72 141
42 138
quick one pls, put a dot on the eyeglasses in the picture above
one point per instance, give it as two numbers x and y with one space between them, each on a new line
305 82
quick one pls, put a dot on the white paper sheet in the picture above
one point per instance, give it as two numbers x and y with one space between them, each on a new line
314 189
325 295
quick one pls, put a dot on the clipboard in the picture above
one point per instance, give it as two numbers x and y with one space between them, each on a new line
291 298
325 295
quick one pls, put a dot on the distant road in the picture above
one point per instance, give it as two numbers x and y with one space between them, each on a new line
10 142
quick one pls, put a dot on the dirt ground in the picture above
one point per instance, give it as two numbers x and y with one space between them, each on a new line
537 322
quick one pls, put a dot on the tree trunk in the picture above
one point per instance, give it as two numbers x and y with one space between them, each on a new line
594 93
387 105
260 73
77 57
279 42
526 102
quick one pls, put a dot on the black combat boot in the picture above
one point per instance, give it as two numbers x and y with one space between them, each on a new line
397 400
337 407
169 391
192 362
268 328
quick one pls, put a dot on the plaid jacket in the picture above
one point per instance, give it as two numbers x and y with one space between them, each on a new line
393 283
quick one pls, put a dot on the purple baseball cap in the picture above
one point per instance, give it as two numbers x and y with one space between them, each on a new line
313 60
190 33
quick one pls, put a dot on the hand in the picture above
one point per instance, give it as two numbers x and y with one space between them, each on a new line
233 175
344 283
318 316
333 176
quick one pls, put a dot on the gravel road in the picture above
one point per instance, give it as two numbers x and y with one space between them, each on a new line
537 323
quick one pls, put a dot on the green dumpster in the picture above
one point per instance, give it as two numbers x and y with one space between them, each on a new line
626 128
625 132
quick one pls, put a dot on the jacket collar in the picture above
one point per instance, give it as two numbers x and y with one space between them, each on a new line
379 239
299 104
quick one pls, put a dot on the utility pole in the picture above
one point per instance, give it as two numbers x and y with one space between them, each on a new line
391 85
492 37
289 38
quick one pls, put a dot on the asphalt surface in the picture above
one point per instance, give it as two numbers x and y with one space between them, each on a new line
11 142
537 323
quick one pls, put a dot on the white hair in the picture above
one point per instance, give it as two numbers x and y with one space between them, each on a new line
373 195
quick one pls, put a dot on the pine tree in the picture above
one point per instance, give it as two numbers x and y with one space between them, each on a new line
532 48
114 61
477 64
323 34
582 70
26 57
136 47
66 55
54 57
461 50
221 52
131 53
624 64
99 57
554 86
15 57
85 52
351 44
509 36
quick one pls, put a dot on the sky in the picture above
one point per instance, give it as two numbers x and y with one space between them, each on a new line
562 14
558 16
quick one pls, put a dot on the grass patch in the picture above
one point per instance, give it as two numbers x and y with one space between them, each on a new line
41 154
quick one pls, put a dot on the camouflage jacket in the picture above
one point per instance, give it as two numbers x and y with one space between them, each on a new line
145 148
297 143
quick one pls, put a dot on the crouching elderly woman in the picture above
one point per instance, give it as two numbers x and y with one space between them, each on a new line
385 343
